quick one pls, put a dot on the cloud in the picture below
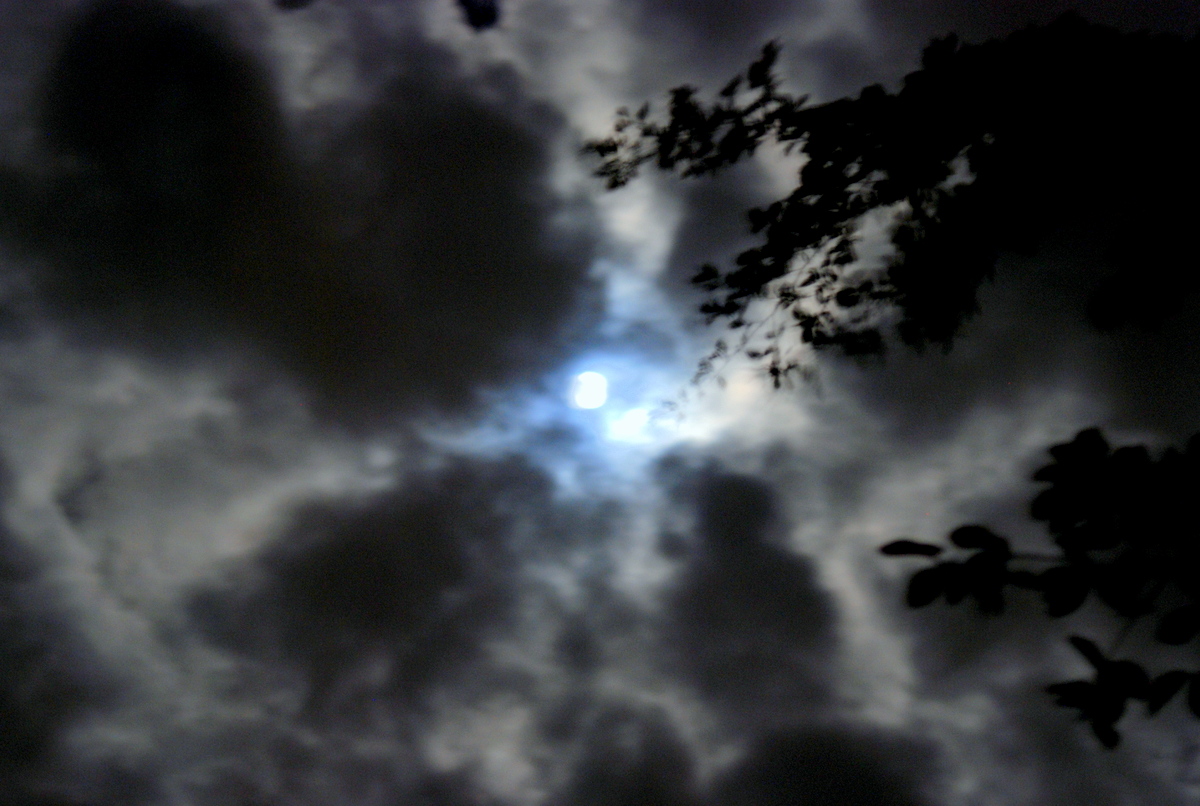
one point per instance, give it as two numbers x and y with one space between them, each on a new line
412 579
411 267
447 790
629 758
634 757
290 615
48 677
713 228
748 620
715 40
827 768
713 23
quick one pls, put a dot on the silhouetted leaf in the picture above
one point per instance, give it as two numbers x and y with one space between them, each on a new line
1088 447
1089 650
759 73
1100 705
955 581
1064 588
1094 535
1050 473
925 586
1124 678
1073 694
990 600
1179 626
900 548
1025 579
977 537
1047 505
1131 460
984 575
1163 688
708 277
1106 733
1122 585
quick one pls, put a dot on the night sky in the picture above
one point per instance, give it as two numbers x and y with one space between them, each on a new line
300 502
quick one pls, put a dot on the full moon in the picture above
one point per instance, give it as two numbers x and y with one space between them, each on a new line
590 390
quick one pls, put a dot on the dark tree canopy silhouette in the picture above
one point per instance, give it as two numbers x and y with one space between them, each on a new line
1070 130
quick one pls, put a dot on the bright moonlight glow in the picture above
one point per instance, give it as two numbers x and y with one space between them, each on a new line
590 390
630 426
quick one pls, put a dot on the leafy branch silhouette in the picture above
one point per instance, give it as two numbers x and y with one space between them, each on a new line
987 149
1124 526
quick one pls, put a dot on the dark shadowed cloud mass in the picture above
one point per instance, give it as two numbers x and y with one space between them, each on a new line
296 510
175 220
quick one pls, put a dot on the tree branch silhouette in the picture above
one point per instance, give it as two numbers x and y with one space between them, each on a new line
1127 536
1069 129
987 149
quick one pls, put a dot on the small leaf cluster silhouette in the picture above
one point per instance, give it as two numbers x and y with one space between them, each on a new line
980 576
1125 528
987 149
1101 701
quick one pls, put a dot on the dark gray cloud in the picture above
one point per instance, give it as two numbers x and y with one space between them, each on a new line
827 768
630 759
1066 766
49 677
837 66
181 222
709 42
416 576
724 27
713 228
837 57
37 697
479 14
748 619
1031 333
447 790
